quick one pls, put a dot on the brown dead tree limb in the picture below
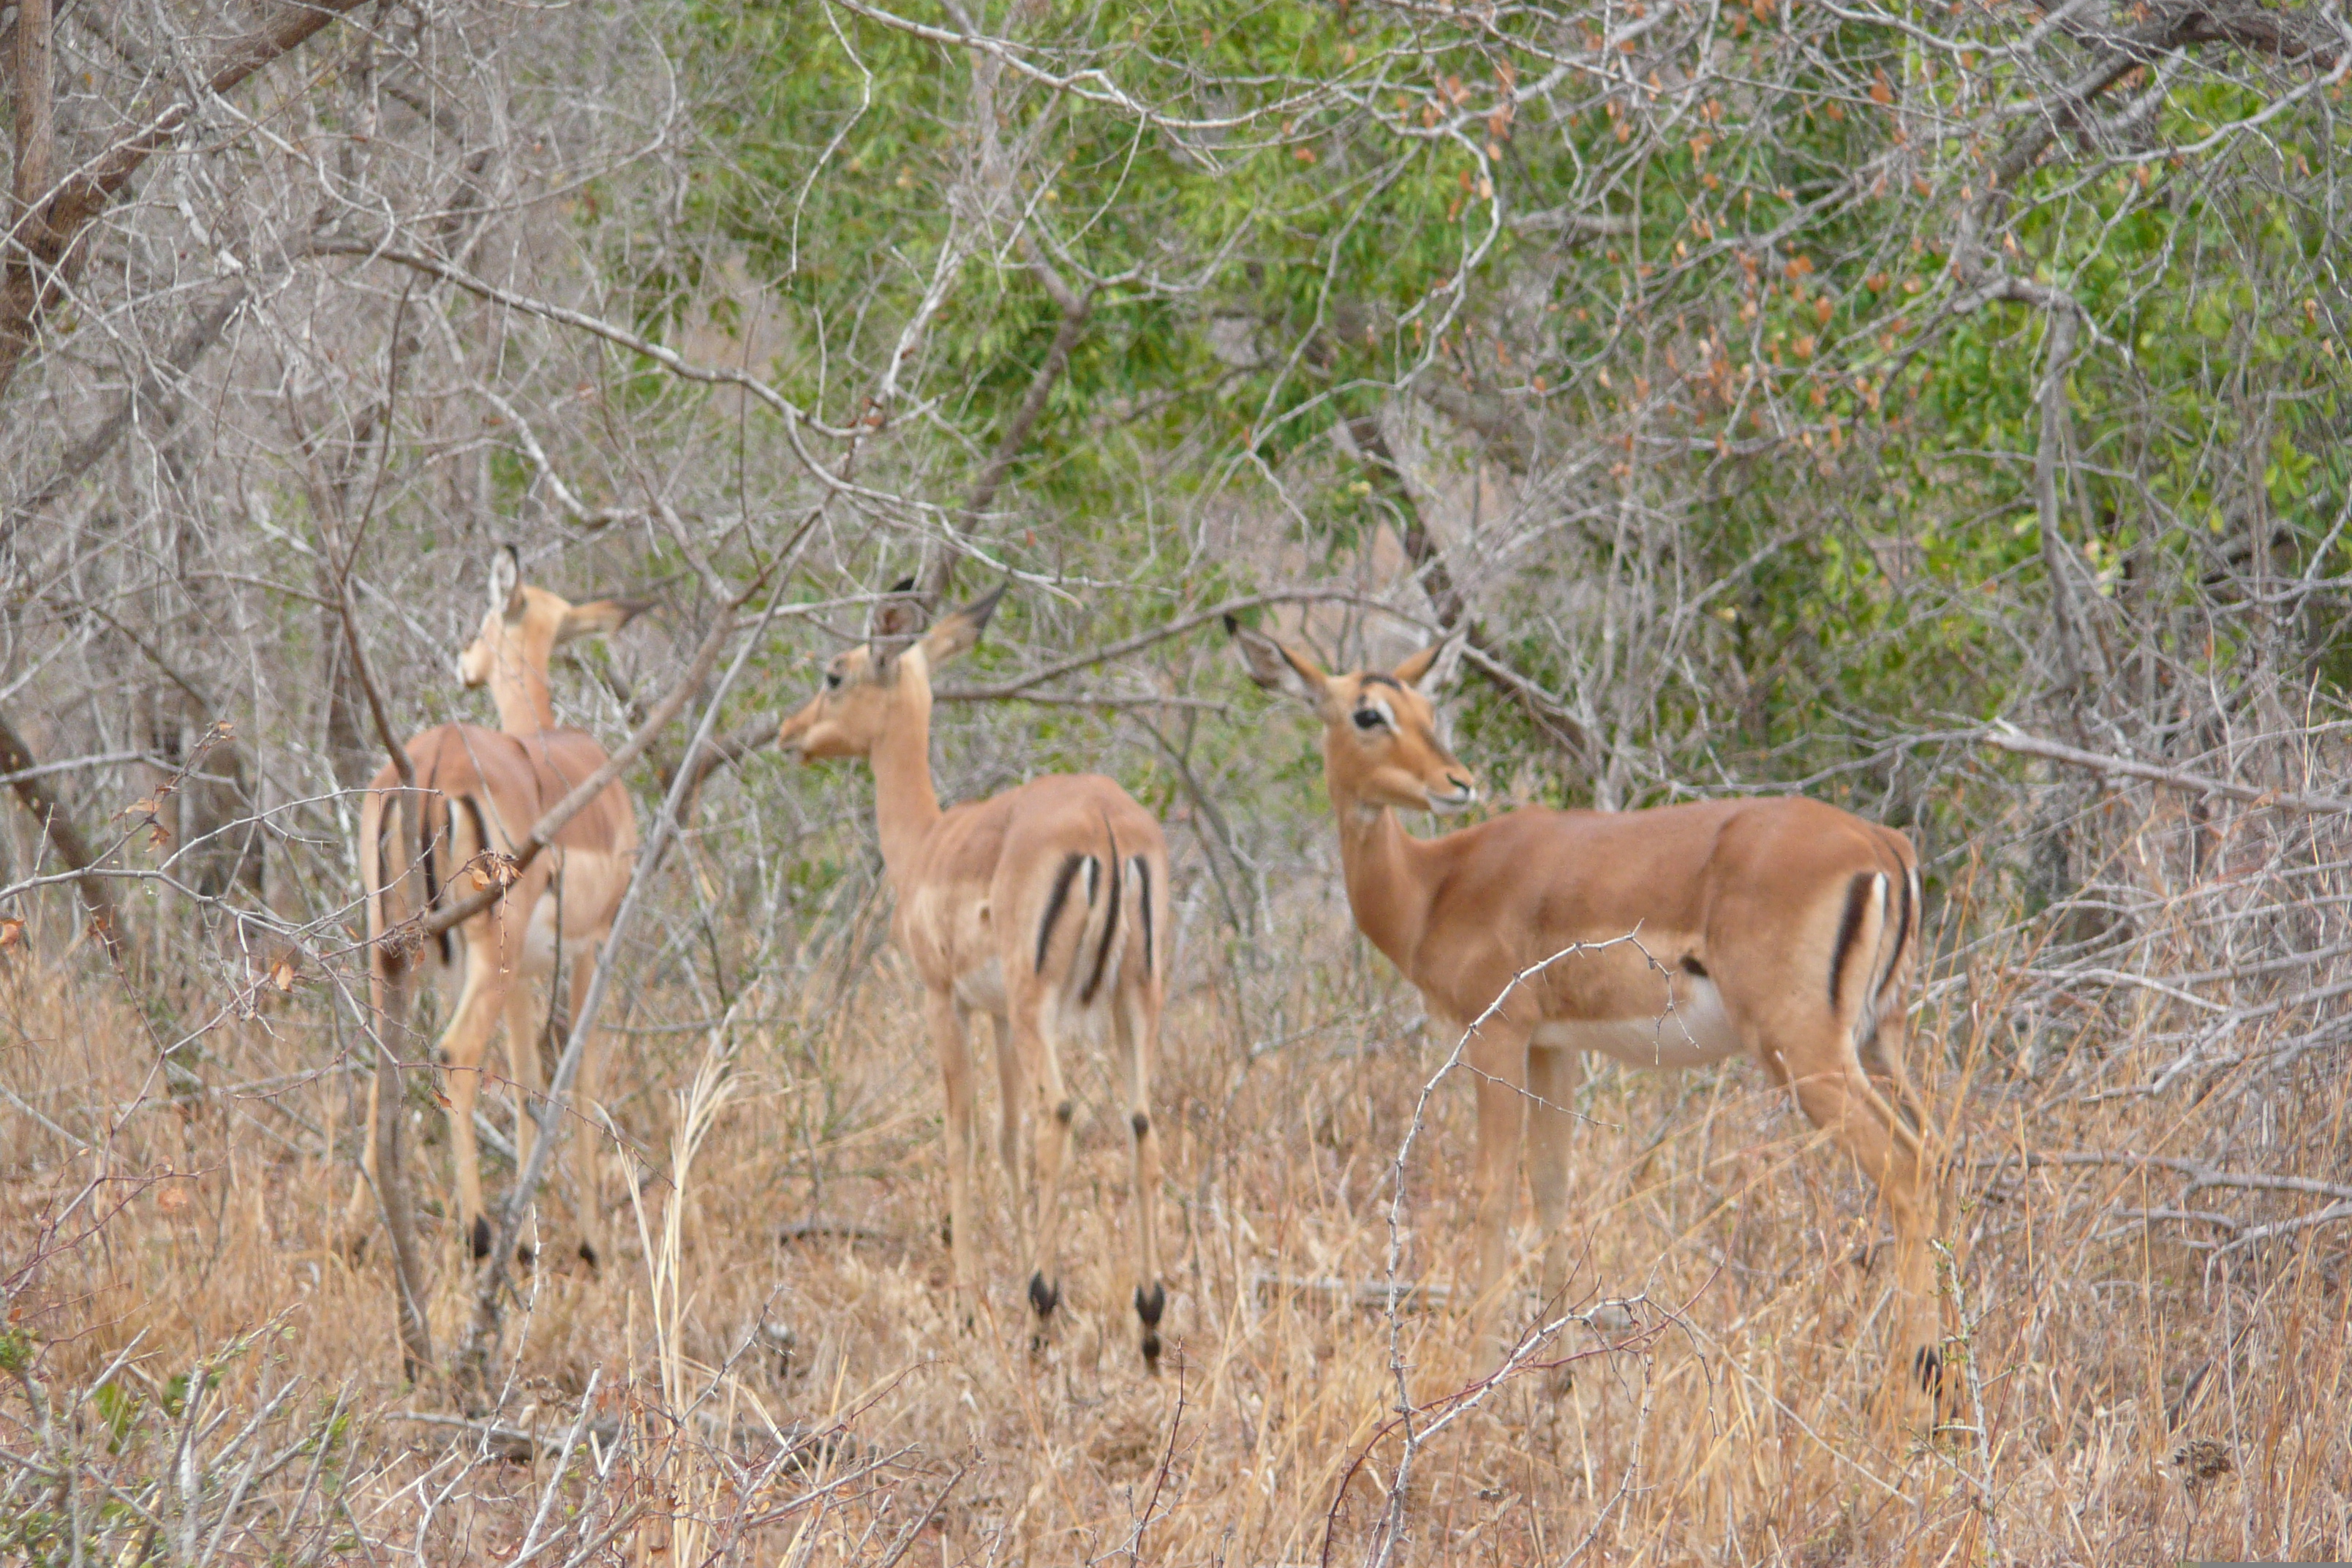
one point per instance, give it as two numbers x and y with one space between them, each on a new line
1504 425
1076 308
152 390
391 964
392 1177
57 826
543 832
52 214
479 1341
2006 739
1446 600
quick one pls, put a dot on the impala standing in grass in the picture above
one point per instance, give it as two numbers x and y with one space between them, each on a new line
479 794
1044 906
1783 928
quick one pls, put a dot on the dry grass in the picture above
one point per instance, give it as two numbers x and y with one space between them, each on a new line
2142 1401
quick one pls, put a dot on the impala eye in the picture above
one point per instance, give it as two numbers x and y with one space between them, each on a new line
1368 718
833 681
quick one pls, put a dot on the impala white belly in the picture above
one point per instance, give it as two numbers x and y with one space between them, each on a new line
1697 1031
538 941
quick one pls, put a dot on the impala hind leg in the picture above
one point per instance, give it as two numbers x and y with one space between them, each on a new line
359 1214
586 1181
1138 1031
462 1046
1052 1147
951 1044
526 1081
1841 1100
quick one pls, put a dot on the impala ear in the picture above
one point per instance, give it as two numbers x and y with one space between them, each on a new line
505 582
602 616
894 620
1433 669
958 632
1278 667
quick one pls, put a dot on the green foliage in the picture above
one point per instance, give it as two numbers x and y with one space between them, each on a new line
1758 307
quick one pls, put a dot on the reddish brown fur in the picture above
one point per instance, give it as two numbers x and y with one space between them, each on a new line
974 884
503 779
1745 924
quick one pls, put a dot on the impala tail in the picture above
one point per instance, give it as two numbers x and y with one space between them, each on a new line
451 834
1083 938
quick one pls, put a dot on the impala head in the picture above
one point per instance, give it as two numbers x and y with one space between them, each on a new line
1380 744
523 627
865 686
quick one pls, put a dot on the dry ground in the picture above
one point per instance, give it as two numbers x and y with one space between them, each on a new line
776 1376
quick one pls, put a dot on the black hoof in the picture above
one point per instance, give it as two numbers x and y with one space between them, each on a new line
947 1231
1149 1304
1928 1368
1151 1351
481 1237
526 1254
588 1256
1043 1297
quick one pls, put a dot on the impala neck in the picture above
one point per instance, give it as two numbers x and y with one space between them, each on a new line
906 807
521 691
1385 867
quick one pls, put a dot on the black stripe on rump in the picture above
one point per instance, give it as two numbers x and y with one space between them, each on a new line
428 840
1143 888
1857 896
474 820
1110 921
1054 902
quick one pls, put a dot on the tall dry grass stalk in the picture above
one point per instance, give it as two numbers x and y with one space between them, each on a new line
683 1387
2146 1256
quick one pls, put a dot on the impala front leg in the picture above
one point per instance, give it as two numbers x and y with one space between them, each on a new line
587 1101
1554 1076
953 1046
463 1044
1498 1056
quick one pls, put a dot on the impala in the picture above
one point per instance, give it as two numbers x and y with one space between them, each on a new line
1784 929
479 794
1044 906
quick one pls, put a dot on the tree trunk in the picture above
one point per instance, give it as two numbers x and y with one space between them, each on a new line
16 758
